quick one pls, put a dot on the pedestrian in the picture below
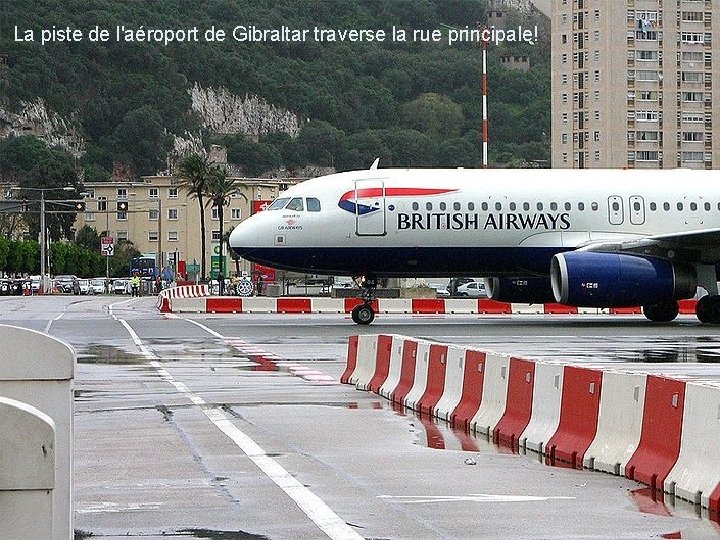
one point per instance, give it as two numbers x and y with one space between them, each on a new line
135 284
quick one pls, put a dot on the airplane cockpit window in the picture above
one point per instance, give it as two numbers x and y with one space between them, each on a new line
296 203
313 204
278 204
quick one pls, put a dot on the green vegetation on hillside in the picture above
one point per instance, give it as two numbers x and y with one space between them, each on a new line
412 104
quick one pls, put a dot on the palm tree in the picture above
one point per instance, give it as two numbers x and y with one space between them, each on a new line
194 172
218 189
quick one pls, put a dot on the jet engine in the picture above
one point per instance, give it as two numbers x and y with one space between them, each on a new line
583 278
533 290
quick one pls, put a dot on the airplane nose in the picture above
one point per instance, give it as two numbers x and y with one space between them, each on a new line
244 239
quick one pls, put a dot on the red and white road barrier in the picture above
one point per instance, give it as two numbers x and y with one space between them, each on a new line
662 431
167 296
185 303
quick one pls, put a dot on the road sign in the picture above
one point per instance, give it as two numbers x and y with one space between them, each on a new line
107 246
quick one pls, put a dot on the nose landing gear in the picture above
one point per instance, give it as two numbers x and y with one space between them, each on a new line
364 313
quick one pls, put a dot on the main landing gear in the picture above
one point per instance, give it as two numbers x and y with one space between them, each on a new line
708 309
364 313
662 312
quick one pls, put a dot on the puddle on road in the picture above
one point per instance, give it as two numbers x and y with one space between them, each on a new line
221 535
108 354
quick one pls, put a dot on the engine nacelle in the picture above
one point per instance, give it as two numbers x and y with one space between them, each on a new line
584 278
532 290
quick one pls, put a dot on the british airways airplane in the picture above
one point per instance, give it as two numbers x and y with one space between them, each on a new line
594 238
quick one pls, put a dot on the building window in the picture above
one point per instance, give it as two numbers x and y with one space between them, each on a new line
89 216
122 216
153 236
122 194
102 204
214 213
172 193
216 236
153 214
153 193
90 193
236 214
172 214
122 235
172 236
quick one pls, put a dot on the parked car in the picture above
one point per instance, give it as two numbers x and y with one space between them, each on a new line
121 286
35 284
474 289
457 282
66 283
84 287
440 289
98 285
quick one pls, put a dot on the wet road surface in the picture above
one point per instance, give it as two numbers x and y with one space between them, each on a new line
235 427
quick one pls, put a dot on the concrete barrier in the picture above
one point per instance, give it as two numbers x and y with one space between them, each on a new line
619 422
38 370
696 474
661 431
27 472
494 398
546 404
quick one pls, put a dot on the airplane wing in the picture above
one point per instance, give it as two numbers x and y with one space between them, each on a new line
701 246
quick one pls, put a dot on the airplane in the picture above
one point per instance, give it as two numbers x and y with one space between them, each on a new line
590 238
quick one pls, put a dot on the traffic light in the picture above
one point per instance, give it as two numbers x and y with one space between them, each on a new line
80 206
122 206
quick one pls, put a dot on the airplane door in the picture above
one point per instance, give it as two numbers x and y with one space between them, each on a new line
615 210
370 208
637 210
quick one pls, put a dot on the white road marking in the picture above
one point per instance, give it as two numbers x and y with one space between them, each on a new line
311 505
47 327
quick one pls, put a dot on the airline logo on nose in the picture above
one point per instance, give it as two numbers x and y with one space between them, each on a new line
350 201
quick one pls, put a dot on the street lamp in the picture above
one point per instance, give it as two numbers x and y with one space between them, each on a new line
43 231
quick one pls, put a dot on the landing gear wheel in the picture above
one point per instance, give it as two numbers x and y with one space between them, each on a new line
363 314
708 309
662 312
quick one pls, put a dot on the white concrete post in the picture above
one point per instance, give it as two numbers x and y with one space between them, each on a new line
27 471
38 369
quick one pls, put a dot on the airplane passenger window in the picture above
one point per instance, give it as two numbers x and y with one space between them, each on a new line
693 206
484 206
456 206
443 206
498 206
295 204
707 206
653 206
313 204
666 206
540 206
679 206
471 206
526 206
428 206
615 206
415 206
636 206
581 206
594 206
278 203
553 206
513 206
568 206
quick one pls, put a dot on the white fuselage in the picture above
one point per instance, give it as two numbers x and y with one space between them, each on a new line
426 222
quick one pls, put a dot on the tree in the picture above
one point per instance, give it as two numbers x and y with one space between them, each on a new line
194 173
433 114
220 188
88 238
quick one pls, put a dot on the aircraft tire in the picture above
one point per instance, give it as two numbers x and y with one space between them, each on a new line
662 312
708 309
363 314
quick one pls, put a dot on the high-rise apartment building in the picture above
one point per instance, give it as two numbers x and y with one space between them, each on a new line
635 83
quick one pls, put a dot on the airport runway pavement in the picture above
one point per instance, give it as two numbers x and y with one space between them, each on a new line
227 426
